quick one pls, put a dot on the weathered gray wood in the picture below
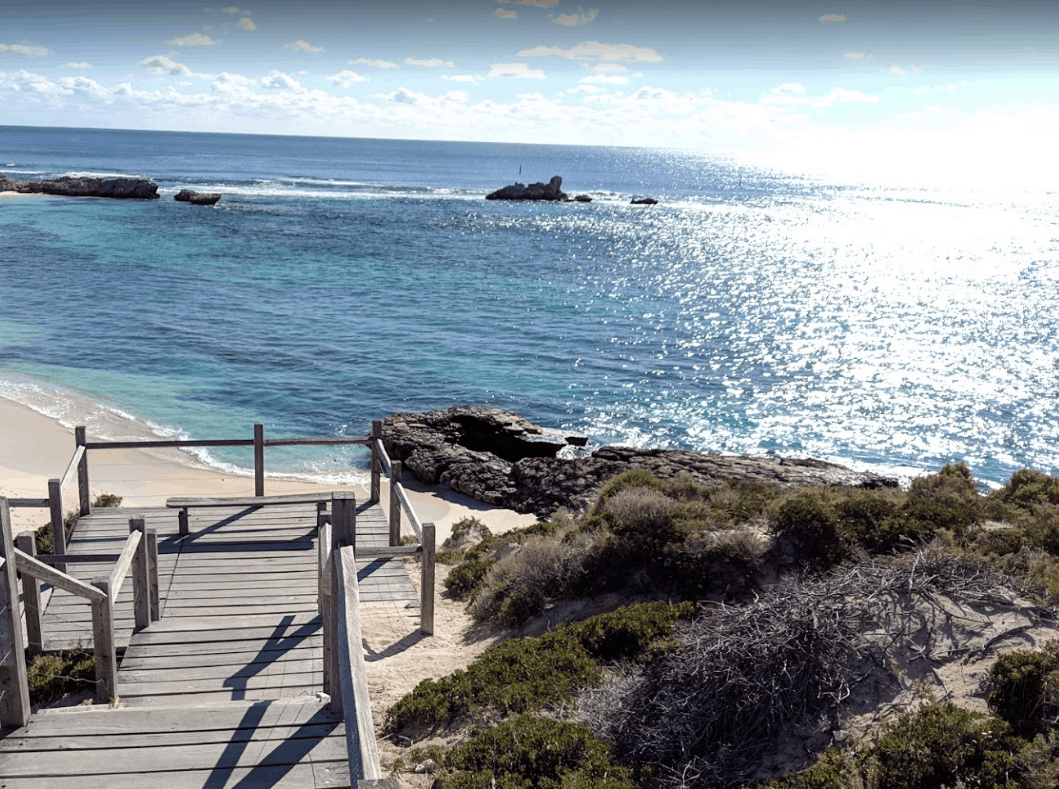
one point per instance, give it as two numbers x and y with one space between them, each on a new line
395 503
124 563
413 519
427 585
78 558
353 682
83 490
27 564
364 554
169 444
71 469
376 462
31 598
152 575
318 774
343 518
26 503
141 577
14 686
79 740
259 460
314 442
183 522
58 528
245 501
106 653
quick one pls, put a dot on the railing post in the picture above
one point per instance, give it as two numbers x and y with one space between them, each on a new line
80 440
376 462
27 543
259 460
343 519
141 572
395 503
14 686
426 604
103 643
58 528
152 574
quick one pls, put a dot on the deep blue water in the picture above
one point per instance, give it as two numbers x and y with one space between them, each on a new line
340 280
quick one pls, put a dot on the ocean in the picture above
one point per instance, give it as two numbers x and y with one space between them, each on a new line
754 310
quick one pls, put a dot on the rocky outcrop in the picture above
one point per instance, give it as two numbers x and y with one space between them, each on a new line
538 191
643 201
197 198
122 188
501 459
582 199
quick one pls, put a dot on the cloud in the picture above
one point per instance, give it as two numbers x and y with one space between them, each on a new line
593 50
855 55
301 45
277 80
790 88
231 10
539 3
517 70
895 69
373 62
429 62
604 79
610 68
23 49
506 14
794 94
573 20
162 64
246 23
472 78
193 40
833 18
81 65
346 79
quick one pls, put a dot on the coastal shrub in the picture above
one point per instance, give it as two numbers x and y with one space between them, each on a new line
1028 489
808 523
631 632
533 753
464 579
946 500
834 769
106 500
643 516
637 478
942 745
510 677
44 539
55 676
1024 689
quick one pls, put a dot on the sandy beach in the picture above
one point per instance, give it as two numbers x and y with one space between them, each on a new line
35 448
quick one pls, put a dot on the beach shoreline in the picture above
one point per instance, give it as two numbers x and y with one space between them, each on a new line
35 448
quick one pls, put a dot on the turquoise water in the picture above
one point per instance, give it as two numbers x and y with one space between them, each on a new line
752 311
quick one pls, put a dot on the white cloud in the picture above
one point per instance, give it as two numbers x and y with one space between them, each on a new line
855 55
193 40
162 64
610 68
517 70
346 79
895 69
25 49
373 62
472 78
593 50
301 45
506 14
81 65
430 62
226 81
794 88
231 10
277 80
604 79
246 23
573 20
833 18
794 94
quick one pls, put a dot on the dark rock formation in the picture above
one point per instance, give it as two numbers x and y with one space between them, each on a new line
643 201
537 191
582 198
501 459
123 188
197 198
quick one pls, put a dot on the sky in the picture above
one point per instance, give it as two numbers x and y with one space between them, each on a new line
879 81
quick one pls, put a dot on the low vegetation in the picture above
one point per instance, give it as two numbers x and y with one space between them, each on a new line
55 676
794 600
45 540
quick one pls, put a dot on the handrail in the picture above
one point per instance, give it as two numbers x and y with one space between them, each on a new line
72 468
121 569
402 495
28 565
361 747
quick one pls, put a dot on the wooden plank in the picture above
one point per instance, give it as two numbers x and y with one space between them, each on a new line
31 598
124 563
246 501
71 469
353 682
58 528
83 490
153 662
427 583
14 685
104 648
239 442
27 503
53 576
319 774
259 459
231 715
82 740
228 687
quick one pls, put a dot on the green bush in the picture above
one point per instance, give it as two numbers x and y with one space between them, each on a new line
534 753
106 500
464 579
510 677
808 523
1028 489
630 480
629 632
943 745
645 517
835 769
1024 689
55 676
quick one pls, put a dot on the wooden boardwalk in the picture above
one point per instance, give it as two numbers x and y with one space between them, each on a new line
223 691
